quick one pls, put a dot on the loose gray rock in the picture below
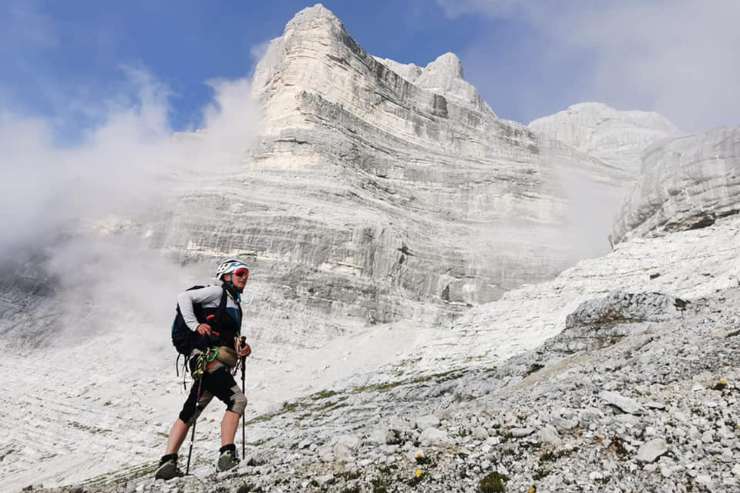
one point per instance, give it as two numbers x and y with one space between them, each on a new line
563 424
655 405
325 479
435 437
345 447
706 481
521 432
378 435
480 433
428 421
549 435
326 454
651 450
625 404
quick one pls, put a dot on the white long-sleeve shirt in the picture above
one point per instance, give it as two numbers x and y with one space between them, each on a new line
207 297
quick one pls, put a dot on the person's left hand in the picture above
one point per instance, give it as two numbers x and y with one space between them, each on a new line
244 351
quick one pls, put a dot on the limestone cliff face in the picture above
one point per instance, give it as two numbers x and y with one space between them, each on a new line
686 183
372 193
443 76
615 137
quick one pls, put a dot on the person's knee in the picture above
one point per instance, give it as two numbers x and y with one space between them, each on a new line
238 403
189 414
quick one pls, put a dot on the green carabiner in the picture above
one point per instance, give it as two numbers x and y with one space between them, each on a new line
211 354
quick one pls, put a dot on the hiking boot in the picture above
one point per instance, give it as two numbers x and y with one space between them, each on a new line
168 468
227 460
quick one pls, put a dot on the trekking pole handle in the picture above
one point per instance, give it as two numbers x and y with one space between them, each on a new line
241 344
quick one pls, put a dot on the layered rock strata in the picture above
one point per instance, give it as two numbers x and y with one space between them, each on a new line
686 183
370 192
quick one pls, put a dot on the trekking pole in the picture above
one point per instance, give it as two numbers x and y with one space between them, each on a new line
195 418
242 342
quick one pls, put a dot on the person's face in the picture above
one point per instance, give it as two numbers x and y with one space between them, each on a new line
239 277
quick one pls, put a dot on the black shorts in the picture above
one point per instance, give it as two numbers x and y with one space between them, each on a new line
219 383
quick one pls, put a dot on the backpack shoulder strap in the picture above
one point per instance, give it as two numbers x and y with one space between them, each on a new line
221 313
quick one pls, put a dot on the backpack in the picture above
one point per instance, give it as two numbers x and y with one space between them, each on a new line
184 339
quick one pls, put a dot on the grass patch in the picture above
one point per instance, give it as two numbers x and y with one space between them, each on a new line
332 405
541 472
493 482
433 377
324 394
553 455
376 387
289 407
122 476
380 485
617 447
350 475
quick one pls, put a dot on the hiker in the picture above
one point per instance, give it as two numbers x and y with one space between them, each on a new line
211 332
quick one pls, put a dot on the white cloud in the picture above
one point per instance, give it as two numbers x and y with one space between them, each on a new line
678 58
76 213
258 51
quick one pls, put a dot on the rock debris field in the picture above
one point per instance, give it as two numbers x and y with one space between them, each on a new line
639 392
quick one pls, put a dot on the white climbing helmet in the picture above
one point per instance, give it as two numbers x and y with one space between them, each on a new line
228 266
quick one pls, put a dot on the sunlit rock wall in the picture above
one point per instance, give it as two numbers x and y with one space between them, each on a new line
686 183
370 198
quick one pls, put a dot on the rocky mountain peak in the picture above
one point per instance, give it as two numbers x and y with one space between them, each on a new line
445 76
315 52
616 137
447 65
298 60
311 17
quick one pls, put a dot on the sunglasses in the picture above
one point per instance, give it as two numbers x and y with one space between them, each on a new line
241 272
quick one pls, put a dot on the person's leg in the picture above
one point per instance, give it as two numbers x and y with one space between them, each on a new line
197 400
229 425
225 388
178 432
190 411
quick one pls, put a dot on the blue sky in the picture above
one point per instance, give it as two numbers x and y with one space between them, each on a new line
60 60
74 51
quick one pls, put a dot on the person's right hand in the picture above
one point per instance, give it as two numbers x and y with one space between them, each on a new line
204 329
